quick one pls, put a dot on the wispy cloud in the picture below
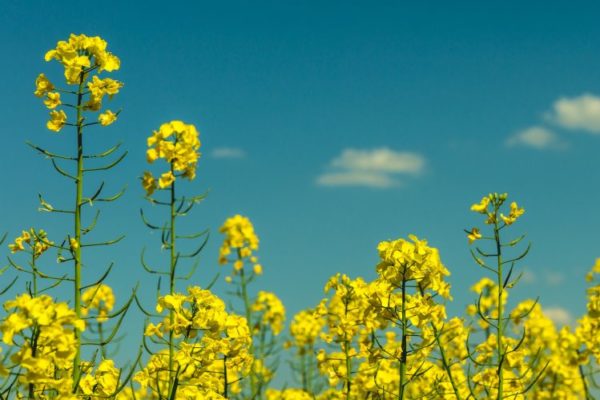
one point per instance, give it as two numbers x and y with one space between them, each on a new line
582 113
536 137
376 168
529 277
228 152
357 178
554 278
559 315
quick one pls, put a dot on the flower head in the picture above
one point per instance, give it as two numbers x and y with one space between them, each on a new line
52 100
81 52
58 119
178 144
42 86
107 118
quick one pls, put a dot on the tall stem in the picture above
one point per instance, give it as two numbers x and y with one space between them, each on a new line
403 356
246 299
500 282
77 233
173 261
447 366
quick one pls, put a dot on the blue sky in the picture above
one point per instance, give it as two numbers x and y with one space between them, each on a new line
333 126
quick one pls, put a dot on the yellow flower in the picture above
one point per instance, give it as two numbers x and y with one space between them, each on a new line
474 235
166 180
77 53
52 100
148 183
482 206
74 244
57 120
178 144
42 85
107 118
239 235
17 245
258 269
272 309
39 245
151 155
99 297
515 212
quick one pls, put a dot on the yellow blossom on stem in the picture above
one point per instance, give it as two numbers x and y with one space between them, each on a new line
81 52
99 297
166 180
58 119
515 212
42 86
257 269
107 118
482 206
474 235
178 144
239 236
52 100
148 183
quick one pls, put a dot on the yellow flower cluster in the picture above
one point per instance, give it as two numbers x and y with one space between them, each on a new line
37 241
218 341
288 394
82 53
46 362
100 298
178 144
98 88
271 310
404 261
588 327
239 236
58 119
557 351
488 301
79 56
305 329
495 200
103 383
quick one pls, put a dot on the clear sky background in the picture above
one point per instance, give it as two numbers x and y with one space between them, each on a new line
333 126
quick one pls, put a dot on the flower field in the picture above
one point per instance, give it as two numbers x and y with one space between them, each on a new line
386 338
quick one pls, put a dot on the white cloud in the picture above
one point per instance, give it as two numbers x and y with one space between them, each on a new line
228 152
380 160
357 178
536 137
581 113
529 277
554 278
377 168
559 315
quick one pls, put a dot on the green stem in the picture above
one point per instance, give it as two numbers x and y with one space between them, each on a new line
101 339
173 259
247 308
403 356
225 383
33 340
584 382
346 344
77 250
34 274
445 363
500 282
